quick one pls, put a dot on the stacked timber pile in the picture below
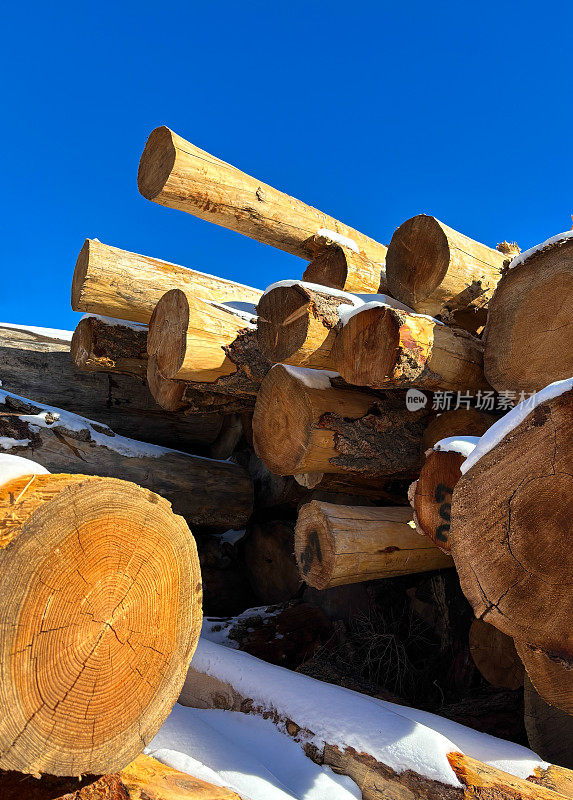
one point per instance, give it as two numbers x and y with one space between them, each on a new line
348 444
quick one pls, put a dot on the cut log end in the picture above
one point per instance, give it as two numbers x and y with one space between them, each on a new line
156 163
417 259
167 393
101 615
79 277
550 673
432 496
167 337
365 350
495 656
314 546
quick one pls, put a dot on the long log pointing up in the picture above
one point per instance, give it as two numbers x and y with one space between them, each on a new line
337 545
383 347
123 285
438 271
91 662
175 173
204 491
303 424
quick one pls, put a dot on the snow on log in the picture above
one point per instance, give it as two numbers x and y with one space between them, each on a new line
175 173
297 323
123 285
303 424
91 662
338 265
529 332
388 749
204 491
511 523
383 347
494 654
103 344
438 271
40 365
455 423
431 495
337 544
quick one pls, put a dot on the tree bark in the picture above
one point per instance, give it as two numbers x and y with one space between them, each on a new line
436 270
175 173
102 344
529 332
89 677
270 561
457 422
342 268
204 491
510 522
123 285
383 347
337 544
549 731
495 656
303 424
297 325
39 366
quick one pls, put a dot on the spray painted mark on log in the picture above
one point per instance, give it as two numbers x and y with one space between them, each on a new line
445 509
310 552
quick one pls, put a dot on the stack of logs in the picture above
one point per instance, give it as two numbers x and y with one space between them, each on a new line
315 402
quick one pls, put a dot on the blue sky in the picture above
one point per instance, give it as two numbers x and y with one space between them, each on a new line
370 111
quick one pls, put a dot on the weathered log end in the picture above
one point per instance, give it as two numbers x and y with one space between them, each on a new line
156 163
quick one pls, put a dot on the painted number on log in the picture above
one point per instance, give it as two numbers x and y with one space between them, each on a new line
310 552
441 493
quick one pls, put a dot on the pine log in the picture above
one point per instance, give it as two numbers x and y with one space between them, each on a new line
89 677
204 491
297 324
549 732
270 561
341 267
224 678
40 365
337 544
303 424
175 173
102 344
145 778
457 422
383 347
495 656
123 285
511 517
438 271
551 674
529 331
431 496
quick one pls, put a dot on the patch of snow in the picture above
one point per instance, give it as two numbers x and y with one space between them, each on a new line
100 434
339 238
247 316
387 300
346 313
521 257
113 322
48 333
464 445
353 299
12 467
493 436
246 754
402 738
217 629
6 443
313 378
232 536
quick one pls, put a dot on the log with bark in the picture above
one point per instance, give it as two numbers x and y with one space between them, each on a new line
336 544
495 656
103 344
298 322
204 491
303 424
511 519
392 751
529 331
177 174
438 271
342 267
383 347
270 561
91 662
123 285
145 778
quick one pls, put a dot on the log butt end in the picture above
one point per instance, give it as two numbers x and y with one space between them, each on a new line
282 324
167 337
365 350
156 163
314 546
80 276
